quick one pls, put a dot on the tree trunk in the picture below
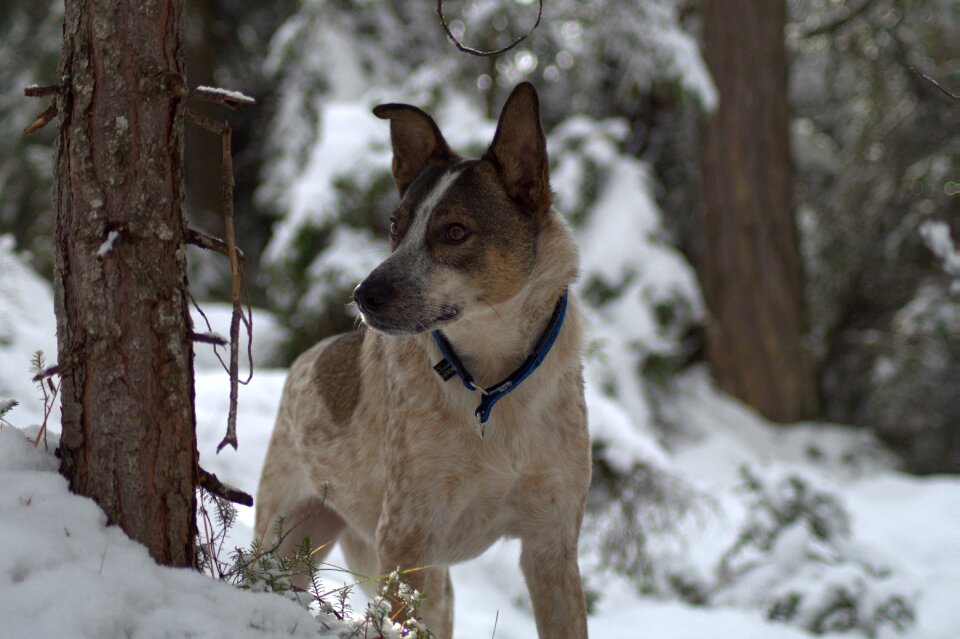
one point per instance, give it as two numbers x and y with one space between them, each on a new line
751 268
123 325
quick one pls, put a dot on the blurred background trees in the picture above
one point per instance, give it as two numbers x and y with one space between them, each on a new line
624 85
751 272
878 154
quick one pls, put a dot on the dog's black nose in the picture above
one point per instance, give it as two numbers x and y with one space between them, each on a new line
372 296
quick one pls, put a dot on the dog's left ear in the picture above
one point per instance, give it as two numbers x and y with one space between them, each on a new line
519 150
416 140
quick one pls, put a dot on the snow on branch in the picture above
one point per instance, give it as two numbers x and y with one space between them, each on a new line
225 97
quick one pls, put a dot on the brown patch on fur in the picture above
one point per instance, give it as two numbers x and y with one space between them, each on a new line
499 254
337 373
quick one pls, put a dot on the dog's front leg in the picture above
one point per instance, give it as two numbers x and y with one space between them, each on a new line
553 579
403 544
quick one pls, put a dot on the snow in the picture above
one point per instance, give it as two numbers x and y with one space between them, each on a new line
227 93
56 542
913 523
347 131
27 325
936 235
649 43
353 144
108 243
623 440
63 572
352 255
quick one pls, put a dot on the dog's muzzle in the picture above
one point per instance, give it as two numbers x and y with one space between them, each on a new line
372 296
386 308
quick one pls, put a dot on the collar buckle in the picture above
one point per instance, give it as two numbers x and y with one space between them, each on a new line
451 365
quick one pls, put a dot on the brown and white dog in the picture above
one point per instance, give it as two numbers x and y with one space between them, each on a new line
480 258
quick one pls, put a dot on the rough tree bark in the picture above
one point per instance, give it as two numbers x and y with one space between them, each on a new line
123 324
751 268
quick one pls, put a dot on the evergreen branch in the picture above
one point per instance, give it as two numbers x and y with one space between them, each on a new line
6 405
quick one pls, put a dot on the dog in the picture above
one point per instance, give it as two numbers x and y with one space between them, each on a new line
424 470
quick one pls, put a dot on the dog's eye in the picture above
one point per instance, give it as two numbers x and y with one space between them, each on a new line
394 228
457 233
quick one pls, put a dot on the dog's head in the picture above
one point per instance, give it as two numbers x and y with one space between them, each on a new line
464 236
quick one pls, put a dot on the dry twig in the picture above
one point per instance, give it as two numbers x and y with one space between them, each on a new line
41 120
209 338
954 96
477 52
49 401
38 92
223 129
212 484
47 372
231 437
211 243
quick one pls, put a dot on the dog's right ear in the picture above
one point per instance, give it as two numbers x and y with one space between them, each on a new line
416 139
519 150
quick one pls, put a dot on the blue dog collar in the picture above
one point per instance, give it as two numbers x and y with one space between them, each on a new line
451 365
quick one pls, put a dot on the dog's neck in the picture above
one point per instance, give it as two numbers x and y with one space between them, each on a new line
491 344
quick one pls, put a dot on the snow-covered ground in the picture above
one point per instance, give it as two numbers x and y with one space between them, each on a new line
63 573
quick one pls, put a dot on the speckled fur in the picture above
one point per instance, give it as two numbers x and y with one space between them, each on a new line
412 483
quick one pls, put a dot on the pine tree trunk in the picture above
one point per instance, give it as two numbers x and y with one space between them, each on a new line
123 323
751 267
